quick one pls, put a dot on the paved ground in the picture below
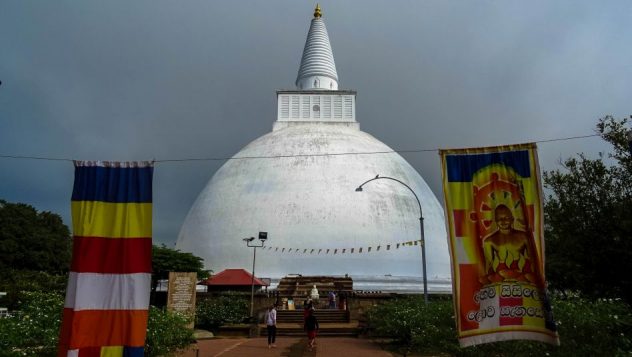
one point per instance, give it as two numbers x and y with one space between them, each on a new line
287 347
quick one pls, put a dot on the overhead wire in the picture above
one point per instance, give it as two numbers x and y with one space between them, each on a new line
23 157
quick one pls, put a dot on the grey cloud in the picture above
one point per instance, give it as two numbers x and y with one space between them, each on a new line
138 80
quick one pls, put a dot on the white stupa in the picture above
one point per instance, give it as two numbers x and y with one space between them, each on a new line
298 184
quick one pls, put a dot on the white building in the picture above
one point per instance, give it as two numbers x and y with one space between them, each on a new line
298 184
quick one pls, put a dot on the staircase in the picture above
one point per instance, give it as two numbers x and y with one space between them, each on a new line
332 323
323 316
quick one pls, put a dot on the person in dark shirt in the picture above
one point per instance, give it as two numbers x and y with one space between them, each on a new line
311 326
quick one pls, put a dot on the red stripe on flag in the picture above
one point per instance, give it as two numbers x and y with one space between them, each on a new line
90 352
111 255
468 278
459 222
510 311
89 328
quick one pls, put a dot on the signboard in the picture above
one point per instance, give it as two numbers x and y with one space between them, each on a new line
181 294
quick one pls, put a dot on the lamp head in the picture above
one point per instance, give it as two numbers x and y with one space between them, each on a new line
263 236
249 239
359 189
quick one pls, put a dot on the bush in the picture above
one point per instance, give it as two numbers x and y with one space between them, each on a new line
415 326
601 327
34 331
167 333
214 312
14 282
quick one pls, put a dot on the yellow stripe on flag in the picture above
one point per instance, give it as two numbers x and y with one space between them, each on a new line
113 220
112 351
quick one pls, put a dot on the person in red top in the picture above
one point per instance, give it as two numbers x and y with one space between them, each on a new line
306 309
311 326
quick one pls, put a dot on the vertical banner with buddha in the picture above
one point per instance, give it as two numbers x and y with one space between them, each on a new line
493 205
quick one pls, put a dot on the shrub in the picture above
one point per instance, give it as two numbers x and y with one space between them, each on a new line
600 327
34 331
167 333
415 326
214 312
586 328
14 282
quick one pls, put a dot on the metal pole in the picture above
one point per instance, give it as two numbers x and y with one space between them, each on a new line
252 292
423 259
421 224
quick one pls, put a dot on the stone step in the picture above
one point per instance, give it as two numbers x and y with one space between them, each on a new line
318 311
300 320
326 329
328 333
322 316
323 312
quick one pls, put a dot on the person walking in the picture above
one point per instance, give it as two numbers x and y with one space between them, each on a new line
271 321
306 310
332 300
311 326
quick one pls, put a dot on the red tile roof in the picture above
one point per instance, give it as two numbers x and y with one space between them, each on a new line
237 277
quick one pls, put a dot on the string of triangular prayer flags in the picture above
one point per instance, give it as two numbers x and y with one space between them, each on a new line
355 250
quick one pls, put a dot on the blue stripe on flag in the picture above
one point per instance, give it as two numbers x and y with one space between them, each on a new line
112 184
133 351
461 167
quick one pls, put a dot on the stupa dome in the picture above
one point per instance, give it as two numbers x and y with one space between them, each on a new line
298 184
309 202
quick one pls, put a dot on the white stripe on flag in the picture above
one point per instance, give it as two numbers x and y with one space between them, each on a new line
462 256
93 291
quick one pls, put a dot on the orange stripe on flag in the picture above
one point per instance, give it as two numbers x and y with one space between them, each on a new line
102 328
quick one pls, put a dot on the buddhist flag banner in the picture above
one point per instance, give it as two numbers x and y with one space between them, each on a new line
107 298
493 205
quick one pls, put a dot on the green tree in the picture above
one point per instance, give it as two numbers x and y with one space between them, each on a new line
588 219
165 259
32 240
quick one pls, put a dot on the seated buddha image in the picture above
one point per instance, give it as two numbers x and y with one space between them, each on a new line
507 252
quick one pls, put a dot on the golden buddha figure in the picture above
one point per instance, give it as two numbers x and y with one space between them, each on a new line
508 256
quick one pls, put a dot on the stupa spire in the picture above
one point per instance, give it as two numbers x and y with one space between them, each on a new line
318 69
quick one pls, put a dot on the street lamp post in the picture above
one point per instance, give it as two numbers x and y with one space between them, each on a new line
249 242
421 226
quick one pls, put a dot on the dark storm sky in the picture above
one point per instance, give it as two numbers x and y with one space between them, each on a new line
142 80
